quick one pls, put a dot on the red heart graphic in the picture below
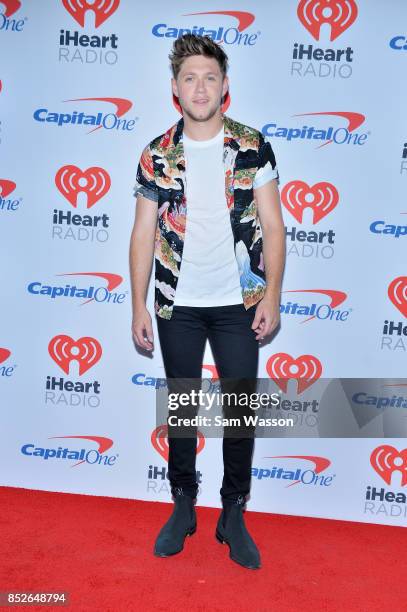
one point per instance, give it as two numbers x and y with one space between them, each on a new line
339 14
306 370
96 183
397 293
159 440
102 9
321 198
88 351
386 459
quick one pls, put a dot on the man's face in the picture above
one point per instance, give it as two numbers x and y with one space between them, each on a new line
200 87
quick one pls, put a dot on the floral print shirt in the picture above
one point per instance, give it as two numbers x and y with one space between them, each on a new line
161 178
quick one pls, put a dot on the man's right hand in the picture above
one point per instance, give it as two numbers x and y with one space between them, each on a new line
142 329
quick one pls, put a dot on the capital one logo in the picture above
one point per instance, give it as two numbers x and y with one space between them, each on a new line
236 34
159 440
4 354
109 121
100 294
397 292
282 367
12 7
6 187
244 19
321 198
94 181
324 311
341 136
320 464
339 14
91 457
386 460
102 9
86 351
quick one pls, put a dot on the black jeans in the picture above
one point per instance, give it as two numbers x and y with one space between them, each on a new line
235 351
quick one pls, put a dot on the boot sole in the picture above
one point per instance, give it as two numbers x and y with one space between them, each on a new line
190 532
222 540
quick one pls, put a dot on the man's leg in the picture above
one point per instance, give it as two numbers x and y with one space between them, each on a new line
182 340
236 352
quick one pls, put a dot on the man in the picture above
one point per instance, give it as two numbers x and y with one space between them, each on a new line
208 209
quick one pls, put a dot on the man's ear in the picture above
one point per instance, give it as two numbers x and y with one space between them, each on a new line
174 87
225 86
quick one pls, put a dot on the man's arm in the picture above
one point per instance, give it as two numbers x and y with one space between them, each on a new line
141 259
271 220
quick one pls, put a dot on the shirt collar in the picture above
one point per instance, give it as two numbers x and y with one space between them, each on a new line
229 133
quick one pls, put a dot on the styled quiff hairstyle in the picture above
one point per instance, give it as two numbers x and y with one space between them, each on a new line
194 44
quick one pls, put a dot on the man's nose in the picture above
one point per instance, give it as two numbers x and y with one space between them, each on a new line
200 85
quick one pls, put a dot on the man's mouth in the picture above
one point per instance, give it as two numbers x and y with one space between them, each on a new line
201 101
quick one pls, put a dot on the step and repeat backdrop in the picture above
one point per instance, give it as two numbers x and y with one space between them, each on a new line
84 85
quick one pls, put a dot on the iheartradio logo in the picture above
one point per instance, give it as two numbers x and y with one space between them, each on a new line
339 14
102 9
397 292
86 351
321 198
386 460
282 367
159 440
94 181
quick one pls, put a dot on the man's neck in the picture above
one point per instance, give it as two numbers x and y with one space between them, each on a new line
203 130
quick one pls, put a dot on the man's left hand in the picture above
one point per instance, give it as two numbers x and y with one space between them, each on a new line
267 317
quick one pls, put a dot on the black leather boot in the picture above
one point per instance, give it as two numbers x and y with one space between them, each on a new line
232 530
181 523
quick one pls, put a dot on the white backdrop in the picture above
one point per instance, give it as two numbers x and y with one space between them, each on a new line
66 214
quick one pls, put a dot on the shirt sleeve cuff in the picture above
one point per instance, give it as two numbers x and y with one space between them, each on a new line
150 194
264 175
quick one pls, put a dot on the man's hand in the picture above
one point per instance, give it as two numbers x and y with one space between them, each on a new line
267 317
142 329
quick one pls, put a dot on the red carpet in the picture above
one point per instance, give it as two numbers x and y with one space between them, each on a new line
100 550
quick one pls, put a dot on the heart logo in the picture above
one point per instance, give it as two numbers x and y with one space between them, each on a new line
339 14
102 9
322 198
159 440
306 370
397 292
63 349
70 180
386 459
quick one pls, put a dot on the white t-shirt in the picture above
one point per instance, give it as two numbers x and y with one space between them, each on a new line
209 274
